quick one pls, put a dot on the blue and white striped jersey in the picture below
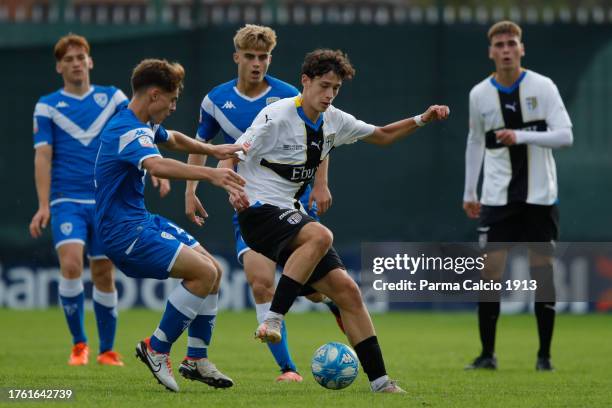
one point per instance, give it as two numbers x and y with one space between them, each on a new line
227 110
71 124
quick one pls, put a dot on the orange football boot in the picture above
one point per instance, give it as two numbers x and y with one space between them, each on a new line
110 358
79 355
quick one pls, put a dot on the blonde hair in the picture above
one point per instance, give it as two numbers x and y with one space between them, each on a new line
70 40
255 37
505 27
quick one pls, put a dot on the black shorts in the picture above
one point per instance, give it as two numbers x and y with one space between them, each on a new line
519 222
269 230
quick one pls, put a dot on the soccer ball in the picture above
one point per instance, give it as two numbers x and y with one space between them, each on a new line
335 366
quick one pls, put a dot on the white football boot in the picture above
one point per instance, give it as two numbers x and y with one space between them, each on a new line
158 363
269 331
205 371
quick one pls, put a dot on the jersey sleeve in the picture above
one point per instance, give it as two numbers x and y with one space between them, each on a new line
260 138
137 145
351 129
474 152
160 133
43 125
556 114
208 127
121 101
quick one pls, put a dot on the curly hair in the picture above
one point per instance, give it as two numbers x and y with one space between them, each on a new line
155 72
320 62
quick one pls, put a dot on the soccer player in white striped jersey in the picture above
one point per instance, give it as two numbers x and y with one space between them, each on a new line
517 118
284 147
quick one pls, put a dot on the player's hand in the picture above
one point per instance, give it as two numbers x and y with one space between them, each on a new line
435 112
322 196
239 200
225 151
194 210
39 222
506 137
472 209
162 184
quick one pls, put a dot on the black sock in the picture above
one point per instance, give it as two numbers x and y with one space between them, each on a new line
370 357
286 292
488 312
544 306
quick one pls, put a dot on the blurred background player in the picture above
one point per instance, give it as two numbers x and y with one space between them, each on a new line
144 245
275 224
67 124
230 109
516 118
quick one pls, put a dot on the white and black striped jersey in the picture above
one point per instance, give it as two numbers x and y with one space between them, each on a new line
524 172
284 149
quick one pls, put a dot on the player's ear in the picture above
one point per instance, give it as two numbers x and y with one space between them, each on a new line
522 49
236 57
305 80
90 63
58 68
490 52
153 93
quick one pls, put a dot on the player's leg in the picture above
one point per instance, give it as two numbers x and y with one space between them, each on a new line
305 250
260 272
69 229
196 365
488 311
543 231
345 293
105 308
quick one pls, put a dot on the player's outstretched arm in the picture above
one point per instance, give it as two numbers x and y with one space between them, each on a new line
227 179
42 178
183 143
395 131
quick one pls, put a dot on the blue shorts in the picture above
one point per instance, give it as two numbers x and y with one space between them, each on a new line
73 222
152 253
242 247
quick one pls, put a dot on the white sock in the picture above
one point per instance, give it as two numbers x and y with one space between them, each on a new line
274 316
70 287
108 299
379 382
261 310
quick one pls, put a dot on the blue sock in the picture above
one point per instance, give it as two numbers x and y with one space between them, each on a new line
280 351
182 307
72 299
105 308
201 329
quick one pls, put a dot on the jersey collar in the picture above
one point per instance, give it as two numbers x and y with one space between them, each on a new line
300 111
511 88
252 99
78 97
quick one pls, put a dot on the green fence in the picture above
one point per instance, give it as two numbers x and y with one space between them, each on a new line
411 191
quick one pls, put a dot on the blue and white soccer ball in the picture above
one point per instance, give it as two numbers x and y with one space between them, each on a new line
335 366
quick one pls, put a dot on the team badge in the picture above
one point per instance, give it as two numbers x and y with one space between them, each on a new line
532 103
101 99
166 235
295 218
66 228
272 99
145 141
329 140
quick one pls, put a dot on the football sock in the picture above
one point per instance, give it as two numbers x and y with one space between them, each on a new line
181 308
72 299
280 351
488 313
286 292
201 329
371 359
105 309
544 307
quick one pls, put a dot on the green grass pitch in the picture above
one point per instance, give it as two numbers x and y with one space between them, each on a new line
426 352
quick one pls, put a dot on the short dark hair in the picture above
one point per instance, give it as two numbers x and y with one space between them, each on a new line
161 73
505 27
320 62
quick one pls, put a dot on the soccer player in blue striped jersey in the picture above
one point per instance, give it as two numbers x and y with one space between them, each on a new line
67 124
229 109
145 245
